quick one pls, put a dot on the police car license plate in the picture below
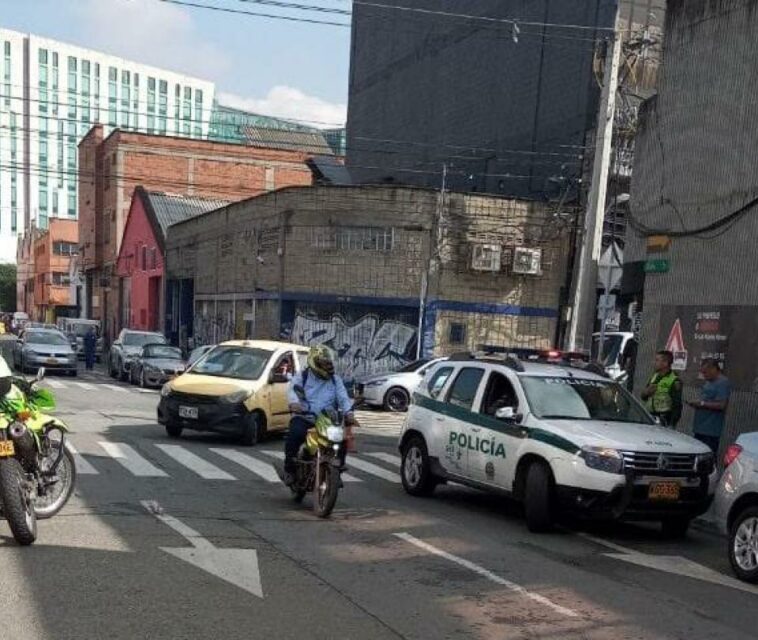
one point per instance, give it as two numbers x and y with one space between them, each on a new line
663 491
188 412
6 448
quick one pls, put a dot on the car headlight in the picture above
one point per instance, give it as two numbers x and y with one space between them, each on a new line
376 383
234 398
166 390
603 459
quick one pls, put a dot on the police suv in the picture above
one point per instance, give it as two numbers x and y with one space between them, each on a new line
558 438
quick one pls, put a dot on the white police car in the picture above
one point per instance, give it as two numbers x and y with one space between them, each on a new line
557 438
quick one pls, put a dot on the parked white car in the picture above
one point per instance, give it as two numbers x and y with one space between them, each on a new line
736 506
556 438
393 390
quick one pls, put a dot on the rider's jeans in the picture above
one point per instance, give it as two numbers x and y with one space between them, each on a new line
296 436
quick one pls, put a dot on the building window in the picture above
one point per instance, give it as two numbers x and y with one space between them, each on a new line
162 107
125 98
198 110
43 56
112 96
64 248
72 205
355 239
7 48
55 203
71 74
457 333
43 201
61 279
153 258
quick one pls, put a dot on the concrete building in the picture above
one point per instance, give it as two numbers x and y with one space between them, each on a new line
51 94
693 210
345 265
113 166
141 260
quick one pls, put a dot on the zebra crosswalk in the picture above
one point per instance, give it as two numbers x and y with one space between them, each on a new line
163 460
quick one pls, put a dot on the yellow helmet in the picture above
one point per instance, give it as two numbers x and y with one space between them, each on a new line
321 361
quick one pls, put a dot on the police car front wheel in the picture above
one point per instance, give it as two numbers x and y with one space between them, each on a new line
538 498
415 470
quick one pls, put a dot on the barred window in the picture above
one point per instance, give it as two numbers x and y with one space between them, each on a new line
355 239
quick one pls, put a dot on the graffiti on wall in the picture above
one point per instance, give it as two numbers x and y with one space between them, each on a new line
210 327
369 345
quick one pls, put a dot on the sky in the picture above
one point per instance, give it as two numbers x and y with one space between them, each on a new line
287 69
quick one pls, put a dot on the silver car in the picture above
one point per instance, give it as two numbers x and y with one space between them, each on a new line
393 390
127 348
156 365
47 348
736 505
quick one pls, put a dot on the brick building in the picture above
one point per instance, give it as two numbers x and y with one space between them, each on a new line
346 265
694 205
140 266
111 168
52 250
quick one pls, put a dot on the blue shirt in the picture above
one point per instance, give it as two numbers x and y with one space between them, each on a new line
320 394
708 422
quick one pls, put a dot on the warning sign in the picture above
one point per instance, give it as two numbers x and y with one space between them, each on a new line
675 344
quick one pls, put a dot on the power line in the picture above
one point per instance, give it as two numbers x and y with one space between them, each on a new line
257 14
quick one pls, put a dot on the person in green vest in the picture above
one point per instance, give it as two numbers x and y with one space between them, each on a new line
663 394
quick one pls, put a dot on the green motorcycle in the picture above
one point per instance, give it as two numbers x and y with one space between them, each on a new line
37 470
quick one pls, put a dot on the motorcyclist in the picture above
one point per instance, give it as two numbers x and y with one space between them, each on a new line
322 390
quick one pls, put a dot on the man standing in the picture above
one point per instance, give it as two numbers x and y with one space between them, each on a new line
90 348
663 393
710 410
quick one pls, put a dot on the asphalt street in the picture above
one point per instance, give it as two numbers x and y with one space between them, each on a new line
196 538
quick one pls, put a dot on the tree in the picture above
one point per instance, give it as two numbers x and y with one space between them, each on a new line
7 287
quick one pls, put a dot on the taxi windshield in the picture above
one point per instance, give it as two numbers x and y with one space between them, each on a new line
242 363
568 398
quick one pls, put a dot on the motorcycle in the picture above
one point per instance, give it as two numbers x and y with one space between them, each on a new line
37 470
321 460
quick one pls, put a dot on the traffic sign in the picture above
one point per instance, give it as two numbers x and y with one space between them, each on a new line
659 265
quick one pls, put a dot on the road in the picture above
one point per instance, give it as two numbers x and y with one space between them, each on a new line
167 539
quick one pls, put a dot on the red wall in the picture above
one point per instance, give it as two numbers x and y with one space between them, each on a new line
144 313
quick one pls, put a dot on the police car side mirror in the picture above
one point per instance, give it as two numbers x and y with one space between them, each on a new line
507 414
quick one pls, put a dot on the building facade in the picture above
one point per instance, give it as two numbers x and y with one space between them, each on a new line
53 249
141 259
693 209
51 94
348 266
113 167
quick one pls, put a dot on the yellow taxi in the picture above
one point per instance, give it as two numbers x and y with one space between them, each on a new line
238 387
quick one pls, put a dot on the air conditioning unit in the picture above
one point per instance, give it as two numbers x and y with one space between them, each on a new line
527 261
486 257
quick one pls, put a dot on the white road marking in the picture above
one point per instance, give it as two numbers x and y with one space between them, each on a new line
114 387
131 460
258 467
374 470
140 390
236 566
386 457
194 462
55 384
677 565
279 455
489 575
85 385
82 466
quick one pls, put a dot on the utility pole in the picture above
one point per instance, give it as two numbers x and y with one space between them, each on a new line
585 280
435 239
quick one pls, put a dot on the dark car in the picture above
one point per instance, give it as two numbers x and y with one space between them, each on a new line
156 365
127 348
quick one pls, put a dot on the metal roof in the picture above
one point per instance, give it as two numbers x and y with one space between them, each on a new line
170 209
312 142
330 170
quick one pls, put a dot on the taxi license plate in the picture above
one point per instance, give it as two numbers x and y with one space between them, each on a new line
6 448
663 491
188 412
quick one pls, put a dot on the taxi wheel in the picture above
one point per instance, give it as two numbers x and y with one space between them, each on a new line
538 498
252 430
173 430
415 470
